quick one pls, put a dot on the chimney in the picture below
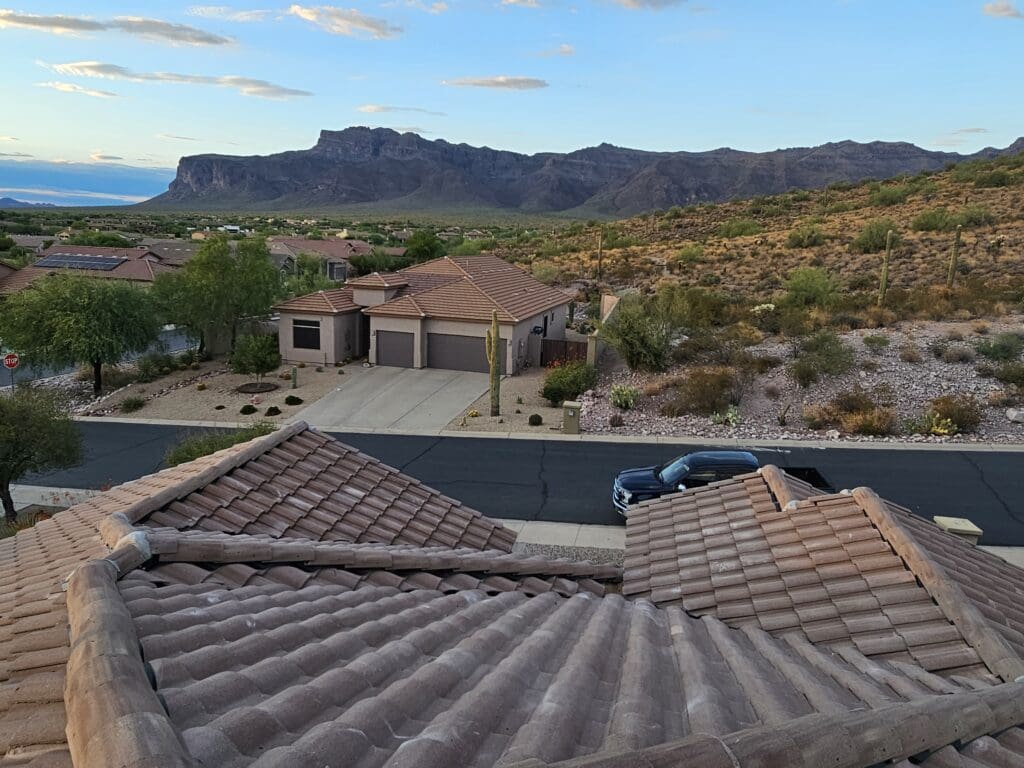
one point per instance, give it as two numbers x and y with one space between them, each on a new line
959 526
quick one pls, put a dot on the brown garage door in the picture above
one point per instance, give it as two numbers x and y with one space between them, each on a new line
459 353
394 348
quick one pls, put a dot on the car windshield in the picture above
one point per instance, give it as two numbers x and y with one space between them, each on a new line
673 472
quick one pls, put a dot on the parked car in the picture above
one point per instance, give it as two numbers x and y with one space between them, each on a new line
693 470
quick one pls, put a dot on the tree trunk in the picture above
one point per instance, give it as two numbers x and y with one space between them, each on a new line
8 503
97 377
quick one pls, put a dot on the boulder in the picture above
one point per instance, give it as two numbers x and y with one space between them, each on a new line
1016 415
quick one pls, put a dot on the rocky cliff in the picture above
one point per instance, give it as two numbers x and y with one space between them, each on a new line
407 172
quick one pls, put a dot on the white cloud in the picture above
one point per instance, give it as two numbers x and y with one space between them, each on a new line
247 86
15 154
1002 11
654 5
561 50
522 3
100 157
225 13
151 29
51 192
346 21
8 138
433 8
172 137
376 109
501 81
970 130
75 88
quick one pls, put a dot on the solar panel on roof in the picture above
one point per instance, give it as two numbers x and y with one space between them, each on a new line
80 261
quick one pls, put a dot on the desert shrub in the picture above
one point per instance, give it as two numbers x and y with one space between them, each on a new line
739 228
973 216
824 353
856 410
256 355
535 420
933 220
153 365
806 236
980 327
197 446
994 178
567 382
955 334
706 391
132 404
875 343
293 400
876 422
624 397
201 387
890 195
872 237
1001 347
958 353
272 411
247 409
810 287
1011 373
616 420
642 339
964 412
691 253
909 353
729 418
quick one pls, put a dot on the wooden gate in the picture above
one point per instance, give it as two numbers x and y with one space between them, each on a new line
562 350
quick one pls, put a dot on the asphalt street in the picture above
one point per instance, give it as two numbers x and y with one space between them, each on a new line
570 481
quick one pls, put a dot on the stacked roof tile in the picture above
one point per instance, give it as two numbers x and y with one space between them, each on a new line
195 617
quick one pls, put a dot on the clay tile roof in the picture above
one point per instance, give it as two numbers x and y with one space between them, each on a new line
334 302
380 280
768 550
139 265
475 287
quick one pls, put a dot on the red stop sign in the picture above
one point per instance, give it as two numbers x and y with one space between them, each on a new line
11 361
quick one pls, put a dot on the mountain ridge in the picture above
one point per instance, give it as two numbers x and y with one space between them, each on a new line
379 166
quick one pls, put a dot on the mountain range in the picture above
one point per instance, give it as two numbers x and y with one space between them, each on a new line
386 170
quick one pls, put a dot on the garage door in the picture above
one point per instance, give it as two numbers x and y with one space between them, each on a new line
394 348
458 353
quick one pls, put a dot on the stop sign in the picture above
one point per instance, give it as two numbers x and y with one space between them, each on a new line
11 361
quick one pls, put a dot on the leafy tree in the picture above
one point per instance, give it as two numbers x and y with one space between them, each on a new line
810 287
104 239
67 319
36 435
309 277
256 356
314 234
378 261
424 246
643 338
6 243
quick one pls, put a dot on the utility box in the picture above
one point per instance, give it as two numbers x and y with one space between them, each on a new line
571 417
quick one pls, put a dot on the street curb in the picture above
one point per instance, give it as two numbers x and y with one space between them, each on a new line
735 443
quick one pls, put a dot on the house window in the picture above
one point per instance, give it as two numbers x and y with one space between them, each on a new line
306 334
337 270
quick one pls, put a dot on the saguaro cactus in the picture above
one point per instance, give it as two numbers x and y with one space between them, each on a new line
953 258
883 284
493 344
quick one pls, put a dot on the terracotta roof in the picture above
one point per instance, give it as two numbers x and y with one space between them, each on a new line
328 248
380 280
476 286
334 302
6 270
140 265
768 550
206 646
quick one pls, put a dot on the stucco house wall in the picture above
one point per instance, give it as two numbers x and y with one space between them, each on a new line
402 325
339 338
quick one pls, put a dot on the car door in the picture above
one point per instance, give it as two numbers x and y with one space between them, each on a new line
700 477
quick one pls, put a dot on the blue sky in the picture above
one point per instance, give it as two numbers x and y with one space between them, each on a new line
87 81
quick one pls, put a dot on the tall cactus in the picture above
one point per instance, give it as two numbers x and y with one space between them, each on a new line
493 344
883 285
953 258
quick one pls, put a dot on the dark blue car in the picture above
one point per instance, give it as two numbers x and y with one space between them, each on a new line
691 470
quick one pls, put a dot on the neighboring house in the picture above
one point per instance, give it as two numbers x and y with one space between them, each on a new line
434 314
33 243
291 601
138 265
333 252
6 270
172 252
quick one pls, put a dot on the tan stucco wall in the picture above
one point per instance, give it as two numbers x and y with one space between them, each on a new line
402 325
521 349
292 354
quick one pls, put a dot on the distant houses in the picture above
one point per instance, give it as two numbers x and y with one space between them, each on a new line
335 253
137 265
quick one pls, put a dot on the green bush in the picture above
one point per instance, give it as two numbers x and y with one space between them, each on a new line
824 353
535 420
941 220
806 236
567 382
255 355
1011 373
996 178
642 339
247 409
272 411
739 228
1002 347
132 404
691 253
876 342
963 412
153 365
197 446
293 400
810 287
891 195
855 411
872 237
706 391
624 397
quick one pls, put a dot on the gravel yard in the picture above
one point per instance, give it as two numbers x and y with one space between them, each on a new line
773 405
514 414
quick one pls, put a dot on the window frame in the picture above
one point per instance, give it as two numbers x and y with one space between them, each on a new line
307 327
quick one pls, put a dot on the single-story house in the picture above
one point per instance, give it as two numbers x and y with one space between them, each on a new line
431 315
333 252
138 265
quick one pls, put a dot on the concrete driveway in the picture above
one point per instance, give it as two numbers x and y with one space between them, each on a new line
399 399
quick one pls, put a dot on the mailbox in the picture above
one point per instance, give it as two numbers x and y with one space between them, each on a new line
571 417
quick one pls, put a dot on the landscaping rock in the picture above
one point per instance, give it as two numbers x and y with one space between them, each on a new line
1016 415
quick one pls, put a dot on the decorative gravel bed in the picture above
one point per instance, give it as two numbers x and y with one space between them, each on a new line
913 385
